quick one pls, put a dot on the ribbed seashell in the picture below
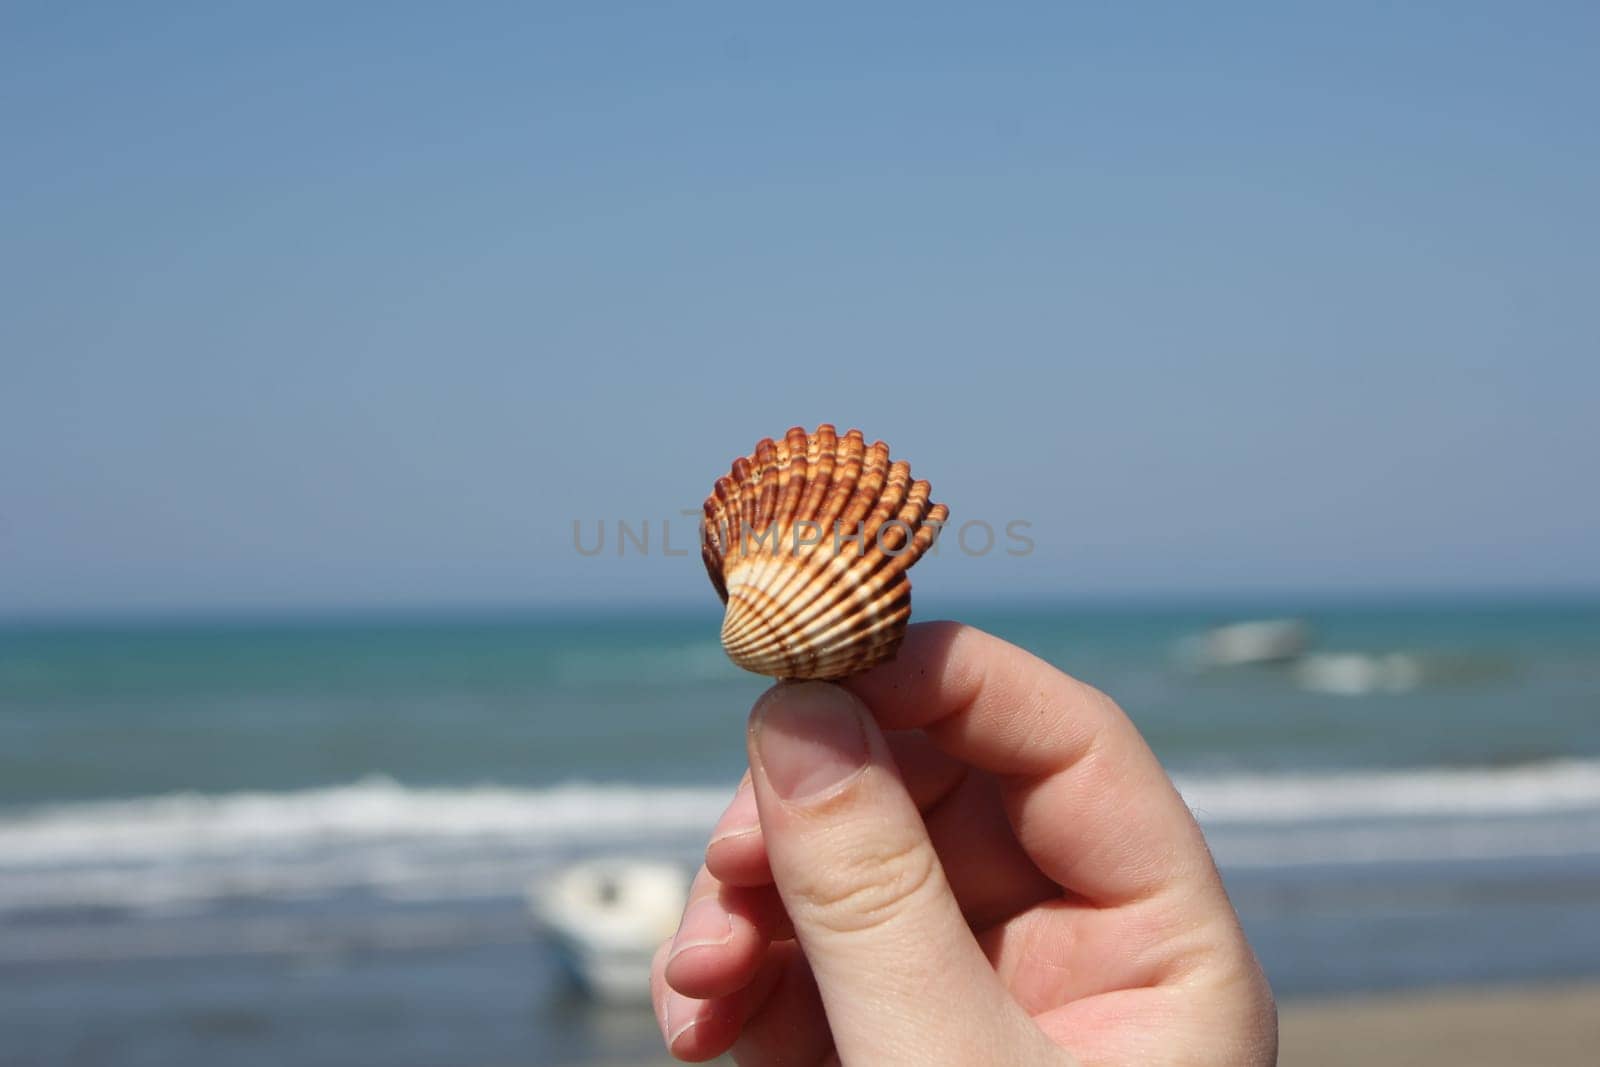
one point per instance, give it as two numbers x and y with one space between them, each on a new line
806 597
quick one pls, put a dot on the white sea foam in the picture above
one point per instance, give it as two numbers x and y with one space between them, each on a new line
374 835
378 836
1407 841
1565 785
373 809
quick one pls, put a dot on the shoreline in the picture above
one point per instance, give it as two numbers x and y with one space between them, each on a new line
1552 1025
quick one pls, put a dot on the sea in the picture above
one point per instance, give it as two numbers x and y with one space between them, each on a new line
313 841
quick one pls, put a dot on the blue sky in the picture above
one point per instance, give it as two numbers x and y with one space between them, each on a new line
362 305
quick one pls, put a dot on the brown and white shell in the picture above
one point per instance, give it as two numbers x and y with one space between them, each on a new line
808 541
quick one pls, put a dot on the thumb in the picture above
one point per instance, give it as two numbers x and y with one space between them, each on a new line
902 978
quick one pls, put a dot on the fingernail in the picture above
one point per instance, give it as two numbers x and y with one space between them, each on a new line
741 817
675 1031
705 923
810 738
664 1015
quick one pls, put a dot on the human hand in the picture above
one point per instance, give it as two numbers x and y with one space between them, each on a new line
1007 876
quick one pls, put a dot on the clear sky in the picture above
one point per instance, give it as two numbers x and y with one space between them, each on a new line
362 305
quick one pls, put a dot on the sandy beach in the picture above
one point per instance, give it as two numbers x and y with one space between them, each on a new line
1538 1026
1546 1026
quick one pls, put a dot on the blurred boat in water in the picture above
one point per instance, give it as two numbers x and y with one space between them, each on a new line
606 918
1288 642
1355 674
1241 643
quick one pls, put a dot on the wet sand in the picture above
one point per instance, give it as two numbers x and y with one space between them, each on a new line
1554 1026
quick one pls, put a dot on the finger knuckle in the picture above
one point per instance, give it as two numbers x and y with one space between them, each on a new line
870 887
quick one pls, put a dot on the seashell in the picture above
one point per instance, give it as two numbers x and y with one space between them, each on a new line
808 541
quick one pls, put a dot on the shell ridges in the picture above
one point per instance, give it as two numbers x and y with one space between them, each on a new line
808 540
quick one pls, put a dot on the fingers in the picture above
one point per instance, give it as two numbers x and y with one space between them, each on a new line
776 1019
722 941
1061 951
722 937
786 1025
994 878
989 873
1070 797
737 854
900 975
1089 801
694 1030
733 911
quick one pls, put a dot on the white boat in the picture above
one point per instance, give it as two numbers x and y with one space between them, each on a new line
606 918
1240 643
1356 674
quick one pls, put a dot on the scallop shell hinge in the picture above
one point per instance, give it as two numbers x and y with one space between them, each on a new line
808 541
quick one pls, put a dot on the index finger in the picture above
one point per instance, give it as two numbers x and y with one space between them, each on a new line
1090 802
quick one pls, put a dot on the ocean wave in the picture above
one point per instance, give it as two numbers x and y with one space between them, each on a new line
375 808
421 844
1407 842
1528 789
375 835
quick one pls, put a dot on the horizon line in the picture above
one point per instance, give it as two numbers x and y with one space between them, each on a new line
1284 601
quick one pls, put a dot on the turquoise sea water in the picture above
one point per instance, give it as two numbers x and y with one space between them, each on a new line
129 711
290 840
